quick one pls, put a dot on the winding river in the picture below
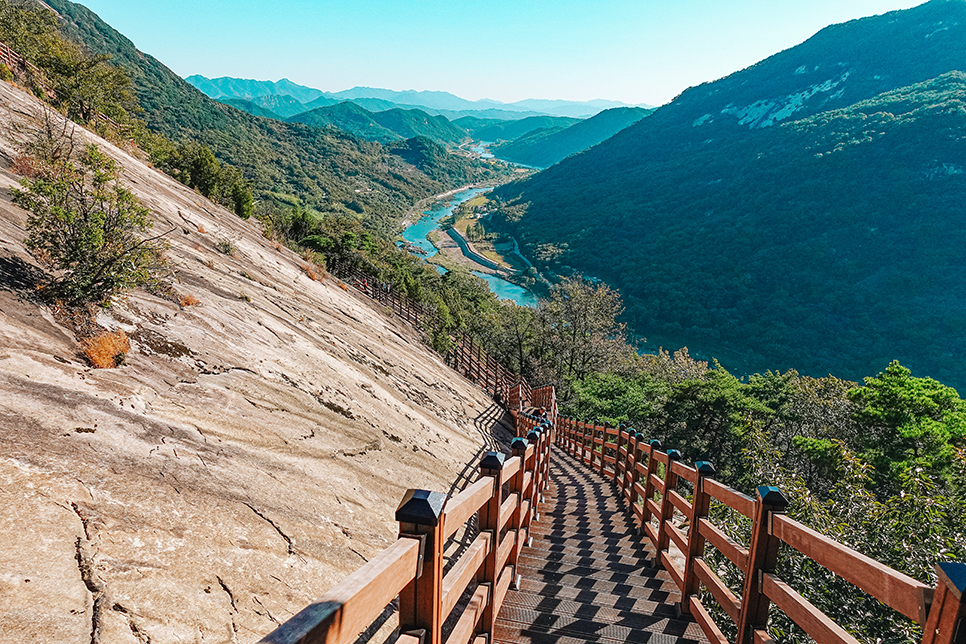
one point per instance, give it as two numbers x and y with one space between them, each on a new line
416 234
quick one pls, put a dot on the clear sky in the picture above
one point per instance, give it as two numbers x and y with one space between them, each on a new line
636 51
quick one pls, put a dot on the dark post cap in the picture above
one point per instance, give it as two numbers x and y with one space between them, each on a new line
519 443
421 507
656 444
771 495
673 455
533 436
705 468
493 461
622 426
955 573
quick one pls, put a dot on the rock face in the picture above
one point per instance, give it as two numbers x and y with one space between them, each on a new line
248 455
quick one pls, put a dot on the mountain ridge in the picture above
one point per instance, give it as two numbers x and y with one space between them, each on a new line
228 87
288 163
678 197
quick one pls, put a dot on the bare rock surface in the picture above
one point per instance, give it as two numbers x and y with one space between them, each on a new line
248 455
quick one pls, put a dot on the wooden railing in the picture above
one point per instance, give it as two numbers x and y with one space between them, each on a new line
412 567
652 481
26 72
654 484
19 65
466 356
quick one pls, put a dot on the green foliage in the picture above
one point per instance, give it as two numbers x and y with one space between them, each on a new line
90 229
544 147
907 425
195 166
579 334
615 399
84 84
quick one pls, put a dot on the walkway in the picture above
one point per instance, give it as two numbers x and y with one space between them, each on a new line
587 576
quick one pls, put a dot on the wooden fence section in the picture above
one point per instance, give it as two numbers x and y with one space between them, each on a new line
26 72
652 482
18 64
465 356
505 497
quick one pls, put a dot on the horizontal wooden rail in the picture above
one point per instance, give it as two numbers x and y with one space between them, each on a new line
412 568
649 479
348 609
894 589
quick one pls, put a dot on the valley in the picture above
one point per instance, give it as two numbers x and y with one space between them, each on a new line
241 319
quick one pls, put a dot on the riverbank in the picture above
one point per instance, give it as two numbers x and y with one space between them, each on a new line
423 236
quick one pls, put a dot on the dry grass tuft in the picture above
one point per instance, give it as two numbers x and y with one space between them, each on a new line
188 300
201 229
108 349
311 272
25 165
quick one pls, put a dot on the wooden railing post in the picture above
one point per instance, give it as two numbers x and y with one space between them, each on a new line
534 438
518 521
762 558
620 464
634 450
667 509
603 443
946 623
700 505
648 484
630 464
421 602
492 465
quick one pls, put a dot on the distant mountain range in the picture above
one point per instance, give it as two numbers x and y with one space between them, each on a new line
806 211
379 115
319 168
434 103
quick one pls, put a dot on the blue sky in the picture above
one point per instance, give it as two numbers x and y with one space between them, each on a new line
636 51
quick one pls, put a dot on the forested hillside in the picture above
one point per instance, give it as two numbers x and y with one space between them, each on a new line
384 126
543 148
805 212
510 130
288 163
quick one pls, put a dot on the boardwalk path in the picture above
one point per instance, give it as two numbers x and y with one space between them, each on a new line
587 576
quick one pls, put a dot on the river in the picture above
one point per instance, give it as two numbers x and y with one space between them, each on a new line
416 234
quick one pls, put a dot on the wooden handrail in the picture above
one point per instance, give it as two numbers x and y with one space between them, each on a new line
653 503
346 610
412 567
426 599
894 589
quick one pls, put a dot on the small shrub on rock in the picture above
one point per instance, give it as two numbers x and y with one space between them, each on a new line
107 350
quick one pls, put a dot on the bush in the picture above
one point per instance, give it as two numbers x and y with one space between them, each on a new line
107 350
87 227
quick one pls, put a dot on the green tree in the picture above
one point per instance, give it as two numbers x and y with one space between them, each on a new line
907 423
89 228
578 333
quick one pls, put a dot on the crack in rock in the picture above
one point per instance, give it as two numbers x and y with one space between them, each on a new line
288 539
267 612
231 595
234 607
94 586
